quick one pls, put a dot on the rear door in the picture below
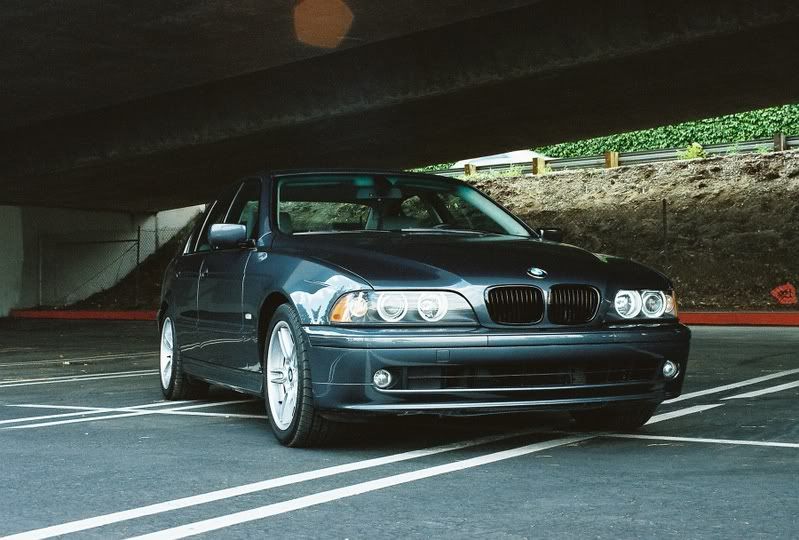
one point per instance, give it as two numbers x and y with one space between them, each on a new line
220 323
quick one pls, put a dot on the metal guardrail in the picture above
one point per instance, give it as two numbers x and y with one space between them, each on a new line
633 158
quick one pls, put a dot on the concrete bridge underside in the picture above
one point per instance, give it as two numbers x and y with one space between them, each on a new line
436 87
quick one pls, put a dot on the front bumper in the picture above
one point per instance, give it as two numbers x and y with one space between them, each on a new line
482 371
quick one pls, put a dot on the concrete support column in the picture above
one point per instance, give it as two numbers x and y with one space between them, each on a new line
11 260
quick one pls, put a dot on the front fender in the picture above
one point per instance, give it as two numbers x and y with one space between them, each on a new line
311 286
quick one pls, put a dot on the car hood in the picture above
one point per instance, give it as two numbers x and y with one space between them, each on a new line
455 260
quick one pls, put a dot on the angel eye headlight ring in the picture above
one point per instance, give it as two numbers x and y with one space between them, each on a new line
628 304
432 306
392 306
653 304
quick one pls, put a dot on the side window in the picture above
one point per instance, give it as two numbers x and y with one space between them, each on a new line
244 210
216 215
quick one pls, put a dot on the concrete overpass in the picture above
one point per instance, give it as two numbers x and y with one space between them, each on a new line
105 106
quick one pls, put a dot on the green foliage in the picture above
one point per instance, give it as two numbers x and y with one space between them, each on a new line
724 129
514 171
693 151
433 168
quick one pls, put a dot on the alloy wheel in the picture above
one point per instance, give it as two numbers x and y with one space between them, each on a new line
167 352
282 375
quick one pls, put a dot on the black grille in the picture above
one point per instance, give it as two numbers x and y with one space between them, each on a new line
534 374
515 305
572 304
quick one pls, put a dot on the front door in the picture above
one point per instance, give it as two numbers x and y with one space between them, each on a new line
220 316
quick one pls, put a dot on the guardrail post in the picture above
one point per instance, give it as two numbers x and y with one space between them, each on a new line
539 165
611 159
780 142
469 169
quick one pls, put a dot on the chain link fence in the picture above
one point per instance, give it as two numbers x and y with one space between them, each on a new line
83 265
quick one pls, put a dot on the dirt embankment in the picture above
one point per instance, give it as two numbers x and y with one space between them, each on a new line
732 223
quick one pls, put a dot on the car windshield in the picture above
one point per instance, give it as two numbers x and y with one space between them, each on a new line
315 204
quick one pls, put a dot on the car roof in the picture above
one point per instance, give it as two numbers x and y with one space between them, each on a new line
375 172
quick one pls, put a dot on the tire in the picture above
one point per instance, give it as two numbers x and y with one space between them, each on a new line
616 417
176 384
288 392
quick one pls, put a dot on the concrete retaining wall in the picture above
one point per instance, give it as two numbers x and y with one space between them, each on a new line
30 235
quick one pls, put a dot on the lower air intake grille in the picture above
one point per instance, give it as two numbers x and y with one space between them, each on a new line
533 374
572 304
515 305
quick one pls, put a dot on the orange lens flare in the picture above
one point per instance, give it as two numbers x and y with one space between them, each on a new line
322 23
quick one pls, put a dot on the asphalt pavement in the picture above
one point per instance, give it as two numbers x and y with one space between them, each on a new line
88 449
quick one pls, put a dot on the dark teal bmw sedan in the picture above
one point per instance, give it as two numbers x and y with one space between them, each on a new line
336 294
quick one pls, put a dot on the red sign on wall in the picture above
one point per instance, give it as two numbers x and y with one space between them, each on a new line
785 294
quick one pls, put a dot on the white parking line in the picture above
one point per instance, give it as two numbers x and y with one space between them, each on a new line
127 412
16 349
158 508
764 391
681 412
703 440
214 524
732 386
258 513
77 378
81 411
79 359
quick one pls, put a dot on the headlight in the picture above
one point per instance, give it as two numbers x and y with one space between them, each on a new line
630 304
392 307
432 306
402 307
654 304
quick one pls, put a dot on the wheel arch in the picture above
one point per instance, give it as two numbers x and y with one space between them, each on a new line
267 310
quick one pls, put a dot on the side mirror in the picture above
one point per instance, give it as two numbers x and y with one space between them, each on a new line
552 235
227 236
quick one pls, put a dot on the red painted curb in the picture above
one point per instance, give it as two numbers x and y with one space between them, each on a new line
741 318
84 315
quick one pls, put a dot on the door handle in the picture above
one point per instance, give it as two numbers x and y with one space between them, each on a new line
204 273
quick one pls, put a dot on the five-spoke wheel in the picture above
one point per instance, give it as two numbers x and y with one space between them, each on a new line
288 391
282 375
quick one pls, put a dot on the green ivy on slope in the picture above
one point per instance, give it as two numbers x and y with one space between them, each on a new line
733 128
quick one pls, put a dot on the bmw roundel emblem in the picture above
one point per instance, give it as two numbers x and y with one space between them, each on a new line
536 272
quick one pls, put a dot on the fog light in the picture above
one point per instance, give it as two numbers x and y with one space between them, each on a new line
670 369
382 378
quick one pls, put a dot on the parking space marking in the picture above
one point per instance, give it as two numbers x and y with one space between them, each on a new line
213 524
303 502
681 412
703 440
764 391
96 358
126 412
16 349
80 411
246 489
77 378
176 504
733 386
